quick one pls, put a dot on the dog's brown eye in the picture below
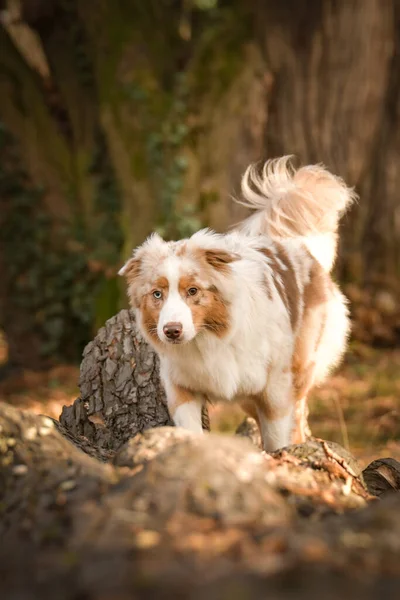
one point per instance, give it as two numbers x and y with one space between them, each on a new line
192 291
157 294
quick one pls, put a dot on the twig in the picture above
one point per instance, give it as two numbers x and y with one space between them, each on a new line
336 457
342 422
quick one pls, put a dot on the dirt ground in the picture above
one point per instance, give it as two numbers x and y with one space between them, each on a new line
358 407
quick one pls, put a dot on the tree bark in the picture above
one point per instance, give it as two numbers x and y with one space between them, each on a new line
121 392
382 476
335 99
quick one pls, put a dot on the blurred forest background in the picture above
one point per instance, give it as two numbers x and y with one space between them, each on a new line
118 117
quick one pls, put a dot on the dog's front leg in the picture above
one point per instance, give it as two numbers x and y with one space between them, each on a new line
185 407
275 409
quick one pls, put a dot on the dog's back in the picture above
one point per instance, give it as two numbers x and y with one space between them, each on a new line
305 206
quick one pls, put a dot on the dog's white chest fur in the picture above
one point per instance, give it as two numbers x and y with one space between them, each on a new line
223 372
225 369
237 365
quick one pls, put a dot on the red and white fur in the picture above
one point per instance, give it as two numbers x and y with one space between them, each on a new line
251 316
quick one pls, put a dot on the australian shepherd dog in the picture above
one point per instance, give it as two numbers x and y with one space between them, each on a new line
251 316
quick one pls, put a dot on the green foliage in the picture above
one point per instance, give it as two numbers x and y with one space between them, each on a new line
164 100
105 233
218 54
56 274
165 153
205 4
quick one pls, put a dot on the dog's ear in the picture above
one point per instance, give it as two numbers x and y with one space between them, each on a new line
131 271
220 259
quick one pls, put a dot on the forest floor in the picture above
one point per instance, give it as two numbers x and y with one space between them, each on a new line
358 407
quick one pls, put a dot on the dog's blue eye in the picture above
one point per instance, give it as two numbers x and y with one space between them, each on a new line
157 295
192 291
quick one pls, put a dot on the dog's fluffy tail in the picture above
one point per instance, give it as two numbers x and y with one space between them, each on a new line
306 204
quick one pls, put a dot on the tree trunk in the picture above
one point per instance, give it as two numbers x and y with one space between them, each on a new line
335 99
121 391
173 102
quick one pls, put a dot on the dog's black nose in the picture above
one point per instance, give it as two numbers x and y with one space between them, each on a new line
173 330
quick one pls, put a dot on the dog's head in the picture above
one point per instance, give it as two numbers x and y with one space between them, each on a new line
177 288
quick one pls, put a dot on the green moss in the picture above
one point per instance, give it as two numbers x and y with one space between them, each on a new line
56 270
219 52
153 103
107 301
207 199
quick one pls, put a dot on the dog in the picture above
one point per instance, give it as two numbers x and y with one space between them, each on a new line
251 316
